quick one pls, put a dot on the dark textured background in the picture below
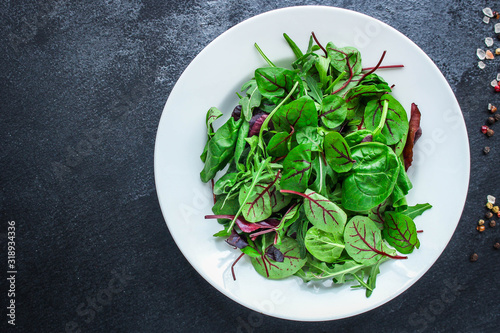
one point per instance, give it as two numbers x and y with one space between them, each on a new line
83 84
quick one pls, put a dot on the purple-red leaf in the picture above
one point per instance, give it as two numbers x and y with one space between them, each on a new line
256 123
274 254
236 240
412 135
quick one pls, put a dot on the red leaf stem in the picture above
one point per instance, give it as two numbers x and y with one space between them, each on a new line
234 263
319 44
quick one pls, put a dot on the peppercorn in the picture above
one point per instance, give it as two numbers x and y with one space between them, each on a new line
488 215
493 223
498 36
489 205
490 132
484 129
497 245
480 228
497 116
480 222
495 209
490 120
486 150
473 257
493 109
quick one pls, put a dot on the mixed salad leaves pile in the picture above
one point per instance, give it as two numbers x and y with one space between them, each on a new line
316 161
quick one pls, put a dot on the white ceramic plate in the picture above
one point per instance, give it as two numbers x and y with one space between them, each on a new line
440 173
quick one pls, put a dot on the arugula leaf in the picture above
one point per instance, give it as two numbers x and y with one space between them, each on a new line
212 114
414 211
298 53
310 135
251 100
337 272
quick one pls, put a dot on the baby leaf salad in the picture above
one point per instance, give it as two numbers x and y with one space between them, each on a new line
316 159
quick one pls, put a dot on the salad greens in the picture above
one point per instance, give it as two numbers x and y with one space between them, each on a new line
316 158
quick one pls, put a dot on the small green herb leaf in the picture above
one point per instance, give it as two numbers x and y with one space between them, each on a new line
414 211
323 245
251 100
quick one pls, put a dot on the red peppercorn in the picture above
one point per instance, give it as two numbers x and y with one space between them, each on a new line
497 88
484 129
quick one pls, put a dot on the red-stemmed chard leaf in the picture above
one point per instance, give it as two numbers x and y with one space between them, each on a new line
400 232
321 212
297 168
257 205
363 241
297 114
275 83
396 121
346 59
412 131
337 152
271 269
279 144
376 214
333 111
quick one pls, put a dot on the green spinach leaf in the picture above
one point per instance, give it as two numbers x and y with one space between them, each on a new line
373 176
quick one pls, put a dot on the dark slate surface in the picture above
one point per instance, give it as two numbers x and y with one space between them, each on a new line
83 84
